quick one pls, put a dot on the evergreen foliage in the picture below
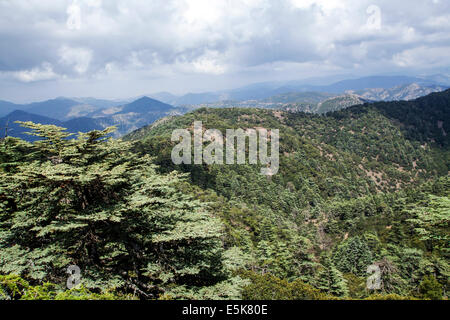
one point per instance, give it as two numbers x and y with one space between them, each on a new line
361 186
90 202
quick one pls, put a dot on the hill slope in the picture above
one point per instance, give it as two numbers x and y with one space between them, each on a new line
364 186
342 197
382 138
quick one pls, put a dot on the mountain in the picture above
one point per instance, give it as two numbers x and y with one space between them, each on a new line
142 105
76 125
312 102
424 119
146 105
403 92
351 189
165 97
134 115
364 187
89 113
340 87
440 78
372 82
338 103
7 107
197 98
265 90
299 97
317 103
15 130
82 118
100 103
381 146
322 102
83 124
59 108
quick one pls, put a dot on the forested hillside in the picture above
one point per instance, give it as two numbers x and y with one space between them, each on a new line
367 185
349 181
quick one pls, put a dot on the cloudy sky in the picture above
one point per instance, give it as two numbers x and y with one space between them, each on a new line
115 49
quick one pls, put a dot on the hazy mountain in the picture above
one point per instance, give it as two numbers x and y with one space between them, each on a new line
83 114
126 118
165 97
372 82
300 97
339 103
259 91
131 116
76 125
404 92
15 130
101 103
7 107
83 124
145 105
59 108
440 78
197 98
334 103
134 115
322 102
141 105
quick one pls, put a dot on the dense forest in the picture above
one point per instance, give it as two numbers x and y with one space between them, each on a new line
367 185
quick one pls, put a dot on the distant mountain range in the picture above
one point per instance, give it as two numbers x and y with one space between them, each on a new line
331 104
61 108
319 102
322 102
85 114
8 125
260 91
404 92
126 118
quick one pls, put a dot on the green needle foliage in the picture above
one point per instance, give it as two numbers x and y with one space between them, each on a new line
331 280
90 202
364 185
368 185
433 221
353 256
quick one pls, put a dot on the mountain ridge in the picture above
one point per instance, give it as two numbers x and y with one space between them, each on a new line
267 89
126 118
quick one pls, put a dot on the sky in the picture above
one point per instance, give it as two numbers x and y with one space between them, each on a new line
118 49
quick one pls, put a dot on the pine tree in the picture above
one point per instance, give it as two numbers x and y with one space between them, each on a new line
353 256
331 280
90 202
430 288
432 222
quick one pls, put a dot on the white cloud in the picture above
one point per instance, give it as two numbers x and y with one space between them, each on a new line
73 16
326 5
203 11
43 72
78 58
431 57
208 65
213 41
